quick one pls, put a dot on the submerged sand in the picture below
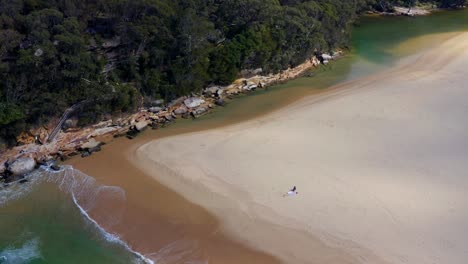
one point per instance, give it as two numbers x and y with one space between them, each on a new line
380 165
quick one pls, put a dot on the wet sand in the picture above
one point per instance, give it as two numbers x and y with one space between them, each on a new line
379 163
162 224
156 221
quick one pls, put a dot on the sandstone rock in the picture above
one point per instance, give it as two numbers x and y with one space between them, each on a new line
326 56
155 109
26 138
42 135
141 125
181 110
211 89
22 166
103 124
103 131
193 102
176 102
220 102
70 123
200 110
92 143
315 62
250 86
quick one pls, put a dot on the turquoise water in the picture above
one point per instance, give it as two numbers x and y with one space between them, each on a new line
46 221
45 225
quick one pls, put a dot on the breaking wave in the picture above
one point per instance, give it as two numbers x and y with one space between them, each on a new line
88 195
24 254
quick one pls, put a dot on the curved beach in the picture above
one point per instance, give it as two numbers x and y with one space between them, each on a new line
380 166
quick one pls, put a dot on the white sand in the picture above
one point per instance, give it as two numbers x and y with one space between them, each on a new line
381 167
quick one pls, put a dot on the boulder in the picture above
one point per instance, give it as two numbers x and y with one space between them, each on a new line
168 118
326 56
257 71
200 110
103 131
193 102
211 89
92 143
95 149
155 109
220 102
22 166
176 102
25 138
103 124
42 135
141 125
181 110
70 123
250 87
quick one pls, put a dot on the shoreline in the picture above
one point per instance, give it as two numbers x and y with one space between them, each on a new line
194 179
35 145
424 10
123 144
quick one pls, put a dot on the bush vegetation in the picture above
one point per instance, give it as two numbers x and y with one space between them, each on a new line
55 53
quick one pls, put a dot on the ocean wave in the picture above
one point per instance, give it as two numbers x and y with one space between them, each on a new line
86 193
26 253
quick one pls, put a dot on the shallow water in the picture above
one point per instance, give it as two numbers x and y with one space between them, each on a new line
45 225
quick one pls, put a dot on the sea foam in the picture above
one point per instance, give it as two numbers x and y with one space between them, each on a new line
26 253
86 193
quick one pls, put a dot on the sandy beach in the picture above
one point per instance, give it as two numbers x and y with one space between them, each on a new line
379 163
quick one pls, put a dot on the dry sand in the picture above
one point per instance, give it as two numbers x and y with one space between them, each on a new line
380 164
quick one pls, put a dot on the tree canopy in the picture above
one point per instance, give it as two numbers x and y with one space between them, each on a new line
55 53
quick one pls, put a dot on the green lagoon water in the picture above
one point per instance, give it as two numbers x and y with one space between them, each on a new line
40 221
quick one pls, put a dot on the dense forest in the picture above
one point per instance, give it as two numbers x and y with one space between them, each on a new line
119 54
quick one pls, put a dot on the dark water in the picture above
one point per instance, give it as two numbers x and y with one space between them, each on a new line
47 221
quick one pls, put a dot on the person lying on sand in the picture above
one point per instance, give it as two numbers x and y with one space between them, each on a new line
291 192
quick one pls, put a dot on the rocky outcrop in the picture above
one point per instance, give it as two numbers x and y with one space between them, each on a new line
103 131
22 166
181 110
141 125
92 143
155 109
82 140
193 102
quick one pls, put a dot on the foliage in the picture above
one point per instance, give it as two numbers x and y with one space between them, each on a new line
56 53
